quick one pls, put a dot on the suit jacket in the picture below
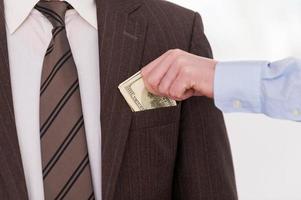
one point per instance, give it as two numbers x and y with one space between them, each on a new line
176 153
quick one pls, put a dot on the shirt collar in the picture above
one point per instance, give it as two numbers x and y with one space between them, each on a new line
16 11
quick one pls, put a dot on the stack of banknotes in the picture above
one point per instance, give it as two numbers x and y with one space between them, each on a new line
138 98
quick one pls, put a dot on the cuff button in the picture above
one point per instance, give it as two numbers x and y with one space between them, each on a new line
296 113
237 104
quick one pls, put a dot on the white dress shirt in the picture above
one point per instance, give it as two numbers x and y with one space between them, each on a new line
28 36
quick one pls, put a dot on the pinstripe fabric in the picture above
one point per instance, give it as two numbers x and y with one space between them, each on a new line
12 180
179 153
65 161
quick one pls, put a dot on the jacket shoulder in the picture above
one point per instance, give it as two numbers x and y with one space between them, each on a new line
169 17
169 26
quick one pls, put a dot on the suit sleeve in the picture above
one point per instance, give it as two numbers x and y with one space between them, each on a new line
204 168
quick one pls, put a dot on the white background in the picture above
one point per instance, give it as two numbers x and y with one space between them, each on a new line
267 153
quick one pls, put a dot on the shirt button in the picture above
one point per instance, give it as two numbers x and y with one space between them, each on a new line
237 104
296 112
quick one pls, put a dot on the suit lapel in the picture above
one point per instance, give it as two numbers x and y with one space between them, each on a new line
121 41
11 170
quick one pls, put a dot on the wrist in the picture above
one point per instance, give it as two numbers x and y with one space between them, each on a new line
208 84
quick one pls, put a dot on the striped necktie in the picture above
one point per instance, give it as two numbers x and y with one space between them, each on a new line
65 160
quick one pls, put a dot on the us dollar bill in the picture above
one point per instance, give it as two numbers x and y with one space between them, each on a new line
138 98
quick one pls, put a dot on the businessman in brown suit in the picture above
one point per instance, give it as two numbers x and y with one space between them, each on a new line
179 152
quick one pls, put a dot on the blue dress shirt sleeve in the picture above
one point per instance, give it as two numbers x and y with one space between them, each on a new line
273 89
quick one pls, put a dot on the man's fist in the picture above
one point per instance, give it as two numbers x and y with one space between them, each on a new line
180 75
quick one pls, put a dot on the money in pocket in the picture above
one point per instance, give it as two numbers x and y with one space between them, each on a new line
138 98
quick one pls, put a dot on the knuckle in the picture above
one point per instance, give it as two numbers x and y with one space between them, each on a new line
176 52
185 71
163 89
152 82
170 56
170 51
179 61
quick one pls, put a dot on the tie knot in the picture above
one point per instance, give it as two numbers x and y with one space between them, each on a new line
55 11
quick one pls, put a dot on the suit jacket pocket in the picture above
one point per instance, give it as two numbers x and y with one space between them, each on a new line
155 117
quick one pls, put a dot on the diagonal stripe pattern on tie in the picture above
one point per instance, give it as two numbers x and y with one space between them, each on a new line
65 160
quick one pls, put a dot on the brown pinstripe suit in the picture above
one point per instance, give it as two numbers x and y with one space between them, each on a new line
179 153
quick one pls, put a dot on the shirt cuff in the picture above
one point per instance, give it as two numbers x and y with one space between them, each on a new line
237 86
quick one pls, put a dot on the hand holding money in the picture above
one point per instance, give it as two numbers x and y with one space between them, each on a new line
180 75
138 97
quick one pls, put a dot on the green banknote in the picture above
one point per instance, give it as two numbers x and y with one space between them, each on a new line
138 98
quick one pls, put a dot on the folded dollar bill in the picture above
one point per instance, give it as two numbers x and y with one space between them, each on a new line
138 98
